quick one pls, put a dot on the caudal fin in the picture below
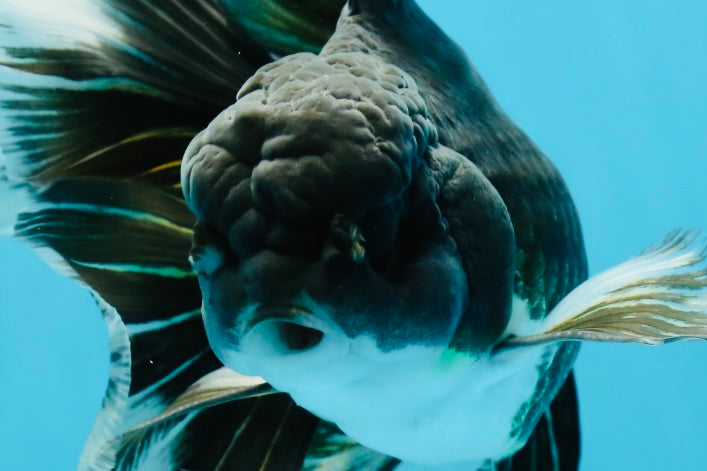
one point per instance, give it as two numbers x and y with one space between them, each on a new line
98 101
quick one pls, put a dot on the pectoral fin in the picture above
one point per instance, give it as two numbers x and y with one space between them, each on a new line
218 387
657 297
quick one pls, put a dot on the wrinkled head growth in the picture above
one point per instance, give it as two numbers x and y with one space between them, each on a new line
338 242
319 229
307 138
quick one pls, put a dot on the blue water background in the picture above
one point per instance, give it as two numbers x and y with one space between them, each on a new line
614 92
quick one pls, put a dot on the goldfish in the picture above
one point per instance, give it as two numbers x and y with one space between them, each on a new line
391 272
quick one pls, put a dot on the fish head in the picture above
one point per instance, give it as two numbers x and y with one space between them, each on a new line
320 247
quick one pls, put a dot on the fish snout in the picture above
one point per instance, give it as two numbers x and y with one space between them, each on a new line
284 344
281 331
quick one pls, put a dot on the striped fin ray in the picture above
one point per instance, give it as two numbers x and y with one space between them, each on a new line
261 433
97 91
288 26
218 387
223 421
554 443
322 445
15 197
134 262
98 102
161 389
96 88
331 449
657 297
188 51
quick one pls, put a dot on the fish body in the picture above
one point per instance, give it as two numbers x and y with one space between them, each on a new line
360 228
439 184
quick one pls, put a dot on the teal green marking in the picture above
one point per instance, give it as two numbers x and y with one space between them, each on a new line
451 358
167 272
150 326
131 214
140 397
173 132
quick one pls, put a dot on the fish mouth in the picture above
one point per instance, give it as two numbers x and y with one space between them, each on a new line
279 330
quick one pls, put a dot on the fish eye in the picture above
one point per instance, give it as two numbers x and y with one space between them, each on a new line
206 260
208 252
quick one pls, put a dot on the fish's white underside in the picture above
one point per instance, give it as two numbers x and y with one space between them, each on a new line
423 405
520 324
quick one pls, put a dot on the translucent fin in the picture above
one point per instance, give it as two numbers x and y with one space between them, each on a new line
555 442
135 262
15 197
262 433
288 26
190 51
658 297
331 449
98 232
92 86
218 387
327 449
98 101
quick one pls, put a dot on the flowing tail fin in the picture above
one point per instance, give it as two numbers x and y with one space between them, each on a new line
99 100
15 197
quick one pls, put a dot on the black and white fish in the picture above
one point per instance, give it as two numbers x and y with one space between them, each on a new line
369 233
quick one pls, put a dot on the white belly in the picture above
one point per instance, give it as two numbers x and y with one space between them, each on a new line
446 409
423 405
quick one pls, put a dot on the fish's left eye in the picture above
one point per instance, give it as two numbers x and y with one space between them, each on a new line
206 260
207 253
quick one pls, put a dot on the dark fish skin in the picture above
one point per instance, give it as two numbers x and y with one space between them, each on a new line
414 151
345 136
550 257
456 208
